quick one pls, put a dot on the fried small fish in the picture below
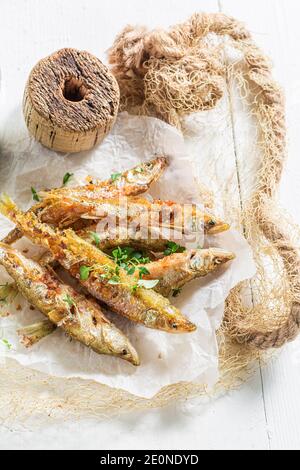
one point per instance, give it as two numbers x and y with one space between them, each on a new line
118 237
129 183
173 272
184 218
81 318
123 236
176 270
100 275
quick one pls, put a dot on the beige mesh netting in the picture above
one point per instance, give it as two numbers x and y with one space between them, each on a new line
173 73
170 74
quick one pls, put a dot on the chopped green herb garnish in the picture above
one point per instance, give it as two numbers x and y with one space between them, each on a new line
127 257
115 176
140 258
95 237
114 280
35 195
67 177
176 292
172 247
84 273
7 292
69 300
134 288
129 270
105 276
144 260
109 271
143 271
6 343
117 253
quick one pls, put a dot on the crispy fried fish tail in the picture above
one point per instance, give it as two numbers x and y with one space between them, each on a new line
32 334
130 183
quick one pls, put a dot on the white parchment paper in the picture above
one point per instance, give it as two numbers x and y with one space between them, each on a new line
165 358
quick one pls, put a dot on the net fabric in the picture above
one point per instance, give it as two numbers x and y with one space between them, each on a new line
173 61
157 72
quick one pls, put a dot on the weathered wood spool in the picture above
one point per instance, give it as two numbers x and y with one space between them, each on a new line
70 101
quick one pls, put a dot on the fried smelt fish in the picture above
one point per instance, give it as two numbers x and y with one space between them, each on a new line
123 236
114 238
100 275
185 218
130 183
176 270
81 318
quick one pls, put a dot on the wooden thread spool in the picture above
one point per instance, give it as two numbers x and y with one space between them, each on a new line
70 101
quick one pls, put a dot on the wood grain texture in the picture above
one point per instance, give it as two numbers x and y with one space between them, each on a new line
274 24
70 101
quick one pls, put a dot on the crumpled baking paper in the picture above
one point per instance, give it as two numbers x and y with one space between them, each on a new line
165 358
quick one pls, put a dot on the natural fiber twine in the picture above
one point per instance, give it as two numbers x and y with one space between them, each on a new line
170 74
173 73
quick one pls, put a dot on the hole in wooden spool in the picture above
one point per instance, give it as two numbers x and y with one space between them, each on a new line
74 89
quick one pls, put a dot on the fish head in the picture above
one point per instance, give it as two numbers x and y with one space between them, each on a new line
219 256
118 345
214 225
147 172
195 219
216 256
181 325
171 321
207 260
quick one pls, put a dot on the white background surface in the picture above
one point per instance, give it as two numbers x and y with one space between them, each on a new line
265 412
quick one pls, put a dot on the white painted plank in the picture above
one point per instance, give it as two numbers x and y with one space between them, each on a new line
32 30
274 25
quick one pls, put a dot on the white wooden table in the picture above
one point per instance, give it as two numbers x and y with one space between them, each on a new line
265 412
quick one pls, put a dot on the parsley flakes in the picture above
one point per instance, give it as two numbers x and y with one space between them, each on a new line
95 237
84 272
35 195
172 248
6 343
69 300
115 176
67 177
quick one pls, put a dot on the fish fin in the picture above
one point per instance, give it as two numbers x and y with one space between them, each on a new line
6 204
32 334
8 292
14 235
